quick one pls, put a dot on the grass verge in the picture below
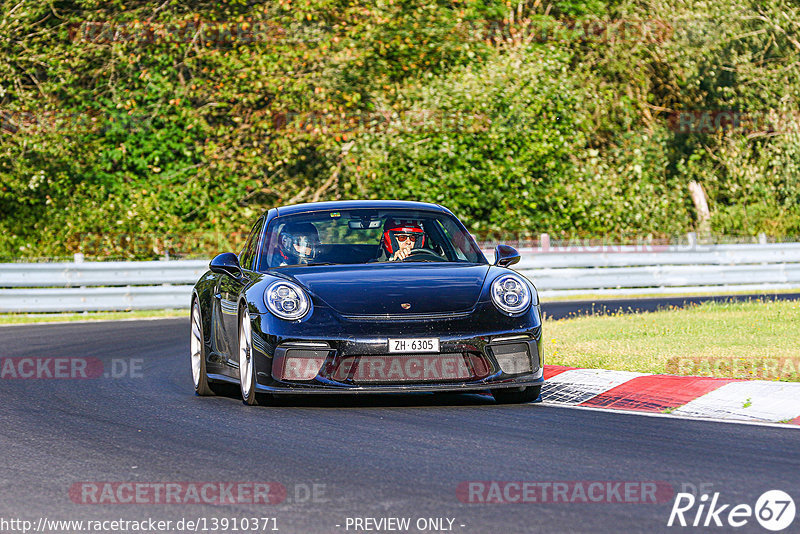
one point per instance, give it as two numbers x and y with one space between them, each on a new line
752 339
28 318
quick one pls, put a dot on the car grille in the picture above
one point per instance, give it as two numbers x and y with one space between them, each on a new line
406 368
408 317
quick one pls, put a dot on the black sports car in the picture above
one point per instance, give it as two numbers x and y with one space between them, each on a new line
365 297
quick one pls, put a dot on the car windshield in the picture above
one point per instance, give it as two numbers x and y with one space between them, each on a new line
361 236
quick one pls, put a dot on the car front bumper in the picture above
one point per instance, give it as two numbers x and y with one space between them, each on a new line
495 357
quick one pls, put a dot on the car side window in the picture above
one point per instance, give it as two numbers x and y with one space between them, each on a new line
248 254
449 235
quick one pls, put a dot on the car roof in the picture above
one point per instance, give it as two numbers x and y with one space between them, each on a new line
356 204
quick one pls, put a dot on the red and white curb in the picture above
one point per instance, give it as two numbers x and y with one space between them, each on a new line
687 396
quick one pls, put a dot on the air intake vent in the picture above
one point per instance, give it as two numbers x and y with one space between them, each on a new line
513 358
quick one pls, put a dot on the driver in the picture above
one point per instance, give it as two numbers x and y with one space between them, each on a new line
400 237
298 244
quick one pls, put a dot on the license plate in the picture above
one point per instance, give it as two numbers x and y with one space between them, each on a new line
413 345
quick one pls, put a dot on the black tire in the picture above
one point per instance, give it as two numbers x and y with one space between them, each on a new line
201 384
515 395
247 372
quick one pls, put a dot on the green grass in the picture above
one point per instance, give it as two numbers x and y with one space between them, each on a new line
27 318
753 339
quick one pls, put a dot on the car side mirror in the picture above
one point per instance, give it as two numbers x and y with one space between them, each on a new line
505 256
226 263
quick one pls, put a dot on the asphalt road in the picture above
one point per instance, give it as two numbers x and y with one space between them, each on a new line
369 457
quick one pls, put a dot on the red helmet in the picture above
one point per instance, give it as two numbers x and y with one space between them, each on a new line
398 227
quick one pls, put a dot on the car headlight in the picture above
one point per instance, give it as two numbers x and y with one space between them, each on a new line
287 300
511 294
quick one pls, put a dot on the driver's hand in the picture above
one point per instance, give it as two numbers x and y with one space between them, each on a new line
400 254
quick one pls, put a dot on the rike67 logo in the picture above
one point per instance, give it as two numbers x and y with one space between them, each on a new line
774 510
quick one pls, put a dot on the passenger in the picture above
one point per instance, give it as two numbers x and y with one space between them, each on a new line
298 244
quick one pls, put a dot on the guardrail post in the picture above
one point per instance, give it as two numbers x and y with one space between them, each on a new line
692 237
78 258
544 242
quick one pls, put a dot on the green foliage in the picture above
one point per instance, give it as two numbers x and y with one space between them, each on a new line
128 128
625 187
490 141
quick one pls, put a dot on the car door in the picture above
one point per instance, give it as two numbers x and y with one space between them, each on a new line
229 292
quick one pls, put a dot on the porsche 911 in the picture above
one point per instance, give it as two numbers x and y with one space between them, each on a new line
365 297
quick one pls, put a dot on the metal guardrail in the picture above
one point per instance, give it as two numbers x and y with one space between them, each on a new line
619 270
141 285
640 269
79 299
107 273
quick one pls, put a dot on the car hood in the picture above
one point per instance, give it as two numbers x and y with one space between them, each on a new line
378 289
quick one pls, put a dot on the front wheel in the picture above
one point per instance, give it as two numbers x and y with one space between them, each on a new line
516 396
198 353
246 363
